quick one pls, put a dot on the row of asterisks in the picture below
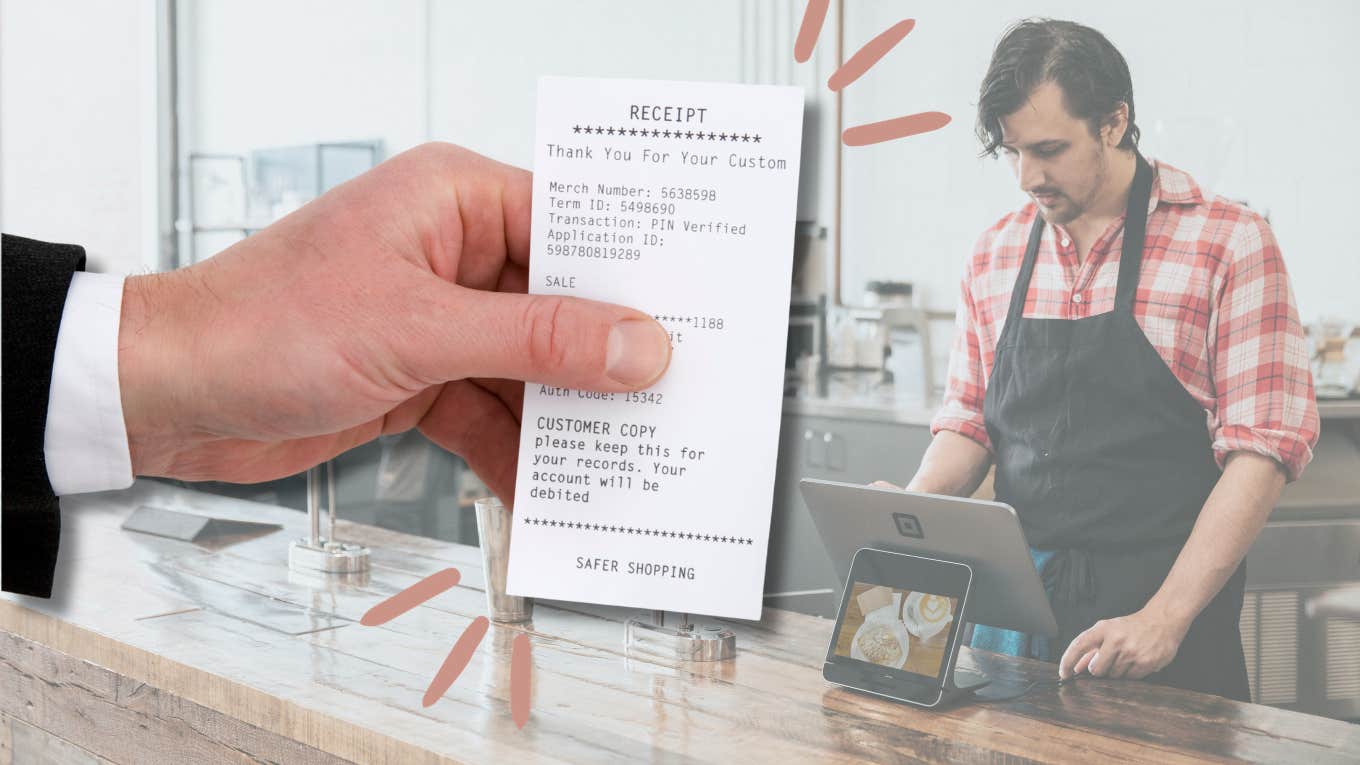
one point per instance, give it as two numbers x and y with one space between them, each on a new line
675 319
636 530
645 132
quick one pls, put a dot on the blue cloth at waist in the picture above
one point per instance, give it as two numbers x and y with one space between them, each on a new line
1014 643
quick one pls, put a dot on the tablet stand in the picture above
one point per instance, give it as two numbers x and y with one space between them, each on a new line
684 642
957 688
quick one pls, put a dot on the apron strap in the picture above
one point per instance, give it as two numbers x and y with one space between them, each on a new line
1021 289
1135 231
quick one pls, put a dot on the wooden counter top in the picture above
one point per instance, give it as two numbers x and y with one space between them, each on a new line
154 650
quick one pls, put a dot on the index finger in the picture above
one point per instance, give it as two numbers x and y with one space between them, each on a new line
1080 645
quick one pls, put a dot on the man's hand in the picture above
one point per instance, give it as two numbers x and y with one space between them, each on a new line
1132 646
393 301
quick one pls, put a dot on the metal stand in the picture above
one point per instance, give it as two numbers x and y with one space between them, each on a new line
318 553
709 642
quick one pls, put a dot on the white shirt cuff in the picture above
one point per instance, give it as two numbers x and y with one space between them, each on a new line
86 443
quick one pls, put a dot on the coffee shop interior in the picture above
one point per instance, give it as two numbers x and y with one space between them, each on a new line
159 133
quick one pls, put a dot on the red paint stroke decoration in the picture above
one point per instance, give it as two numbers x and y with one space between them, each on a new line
869 55
410 597
457 660
521 664
810 29
898 127
863 60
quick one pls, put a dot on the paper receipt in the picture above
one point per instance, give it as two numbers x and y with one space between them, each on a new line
677 199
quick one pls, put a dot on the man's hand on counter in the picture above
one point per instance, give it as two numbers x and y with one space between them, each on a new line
392 301
1132 646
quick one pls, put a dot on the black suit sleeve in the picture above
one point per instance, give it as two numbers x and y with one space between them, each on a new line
34 279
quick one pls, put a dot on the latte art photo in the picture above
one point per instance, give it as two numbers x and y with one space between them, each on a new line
933 609
927 615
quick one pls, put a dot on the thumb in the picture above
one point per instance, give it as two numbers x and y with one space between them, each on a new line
551 339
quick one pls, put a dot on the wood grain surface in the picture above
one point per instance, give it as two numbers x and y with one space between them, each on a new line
154 650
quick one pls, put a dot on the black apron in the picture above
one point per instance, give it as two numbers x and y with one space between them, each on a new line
1107 460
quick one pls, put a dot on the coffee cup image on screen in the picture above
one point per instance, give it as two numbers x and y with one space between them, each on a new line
901 629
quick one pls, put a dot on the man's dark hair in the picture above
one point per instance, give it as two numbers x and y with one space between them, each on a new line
1093 76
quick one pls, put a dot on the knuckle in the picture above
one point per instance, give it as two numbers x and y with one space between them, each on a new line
437 150
438 157
545 332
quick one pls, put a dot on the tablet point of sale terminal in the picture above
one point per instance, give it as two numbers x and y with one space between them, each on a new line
898 629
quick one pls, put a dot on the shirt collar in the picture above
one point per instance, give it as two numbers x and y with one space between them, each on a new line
1173 186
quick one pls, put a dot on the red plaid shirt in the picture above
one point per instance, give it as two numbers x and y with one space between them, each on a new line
1213 299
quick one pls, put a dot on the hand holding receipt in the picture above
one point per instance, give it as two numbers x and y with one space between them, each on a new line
677 199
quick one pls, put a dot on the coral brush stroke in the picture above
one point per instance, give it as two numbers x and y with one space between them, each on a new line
410 597
521 666
810 29
457 660
899 127
869 55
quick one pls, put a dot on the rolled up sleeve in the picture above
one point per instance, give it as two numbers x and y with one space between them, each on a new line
1262 377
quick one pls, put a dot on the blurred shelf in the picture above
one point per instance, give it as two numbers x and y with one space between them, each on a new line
1339 409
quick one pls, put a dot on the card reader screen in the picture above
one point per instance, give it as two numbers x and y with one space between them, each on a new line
901 629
